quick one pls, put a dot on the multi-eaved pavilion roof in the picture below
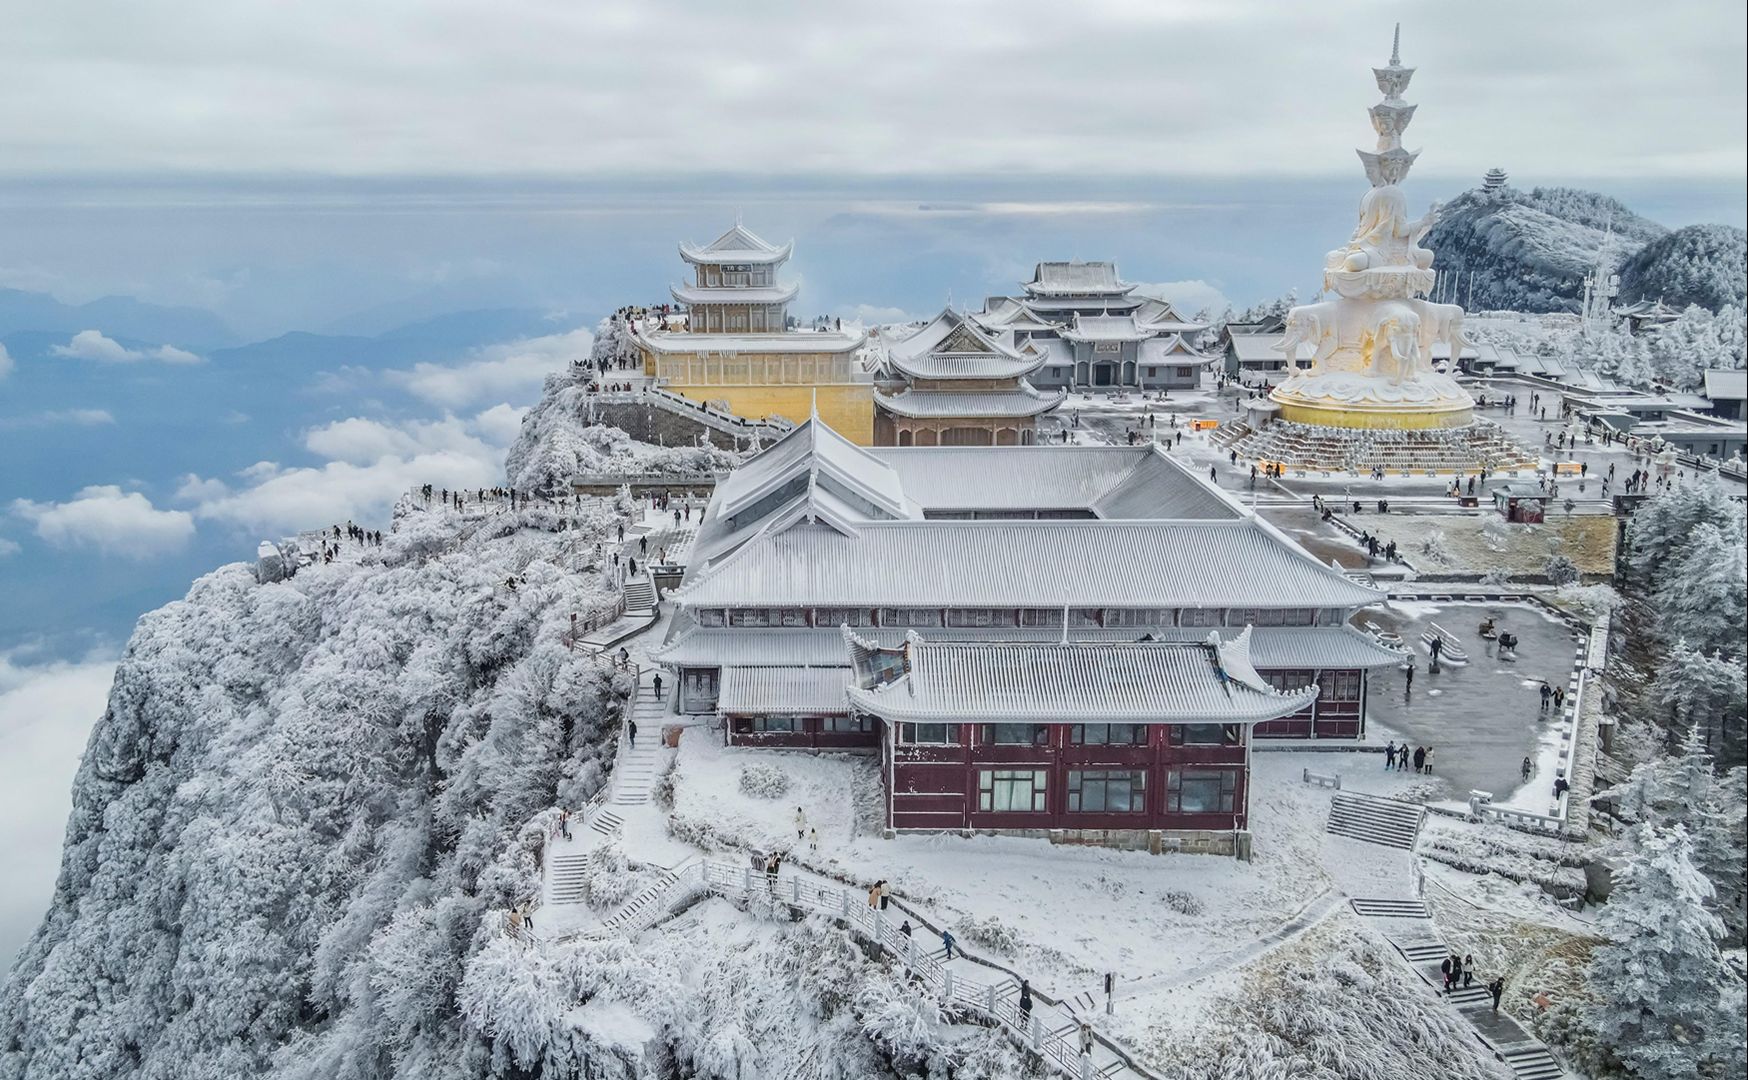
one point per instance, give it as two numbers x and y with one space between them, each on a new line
1135 682
1076 278
738 245
951 346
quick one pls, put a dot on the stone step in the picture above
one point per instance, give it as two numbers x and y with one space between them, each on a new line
1423 952
1532 1063
1391 908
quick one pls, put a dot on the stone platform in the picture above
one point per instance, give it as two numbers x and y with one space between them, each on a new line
1312 448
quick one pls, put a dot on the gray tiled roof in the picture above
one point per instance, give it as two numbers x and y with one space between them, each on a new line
1025 564
780 691
1271 648
1153 682
1023 400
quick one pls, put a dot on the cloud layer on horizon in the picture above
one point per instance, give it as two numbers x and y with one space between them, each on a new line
1163 87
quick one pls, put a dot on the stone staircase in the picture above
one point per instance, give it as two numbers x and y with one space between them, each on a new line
1391 908
640 598
564 877
635 776
1375 820
639 912
1531 1062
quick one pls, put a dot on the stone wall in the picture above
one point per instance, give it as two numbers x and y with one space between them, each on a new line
664 427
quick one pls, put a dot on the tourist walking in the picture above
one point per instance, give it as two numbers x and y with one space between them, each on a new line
1468 969
1419 758
1025 999
1559 698
1390 756
1497 989
800 824
657 683
1428 763
1408 676
947 942
1526 767
631 733
1547 693
813 840
1445 968
1086 1039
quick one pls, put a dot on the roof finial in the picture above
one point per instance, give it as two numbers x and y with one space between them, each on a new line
737 217
1396 47
813 411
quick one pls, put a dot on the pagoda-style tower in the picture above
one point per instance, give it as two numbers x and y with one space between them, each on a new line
1378 393
735 288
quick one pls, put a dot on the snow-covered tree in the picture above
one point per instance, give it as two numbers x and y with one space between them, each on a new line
1705 601
1708 692
1661 529
1664 1003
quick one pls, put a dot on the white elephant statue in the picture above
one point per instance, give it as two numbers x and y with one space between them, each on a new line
1395 336
1312 324
1441 322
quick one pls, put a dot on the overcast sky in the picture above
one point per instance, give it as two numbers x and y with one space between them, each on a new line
1620 88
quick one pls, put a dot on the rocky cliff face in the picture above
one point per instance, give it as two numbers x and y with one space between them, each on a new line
300 806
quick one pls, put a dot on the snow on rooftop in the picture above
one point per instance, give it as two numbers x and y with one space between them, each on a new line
1000 564
1077 277
1136 681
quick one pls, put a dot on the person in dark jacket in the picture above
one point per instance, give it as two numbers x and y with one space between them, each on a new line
1497 989
1445 967
1419 758
1025 998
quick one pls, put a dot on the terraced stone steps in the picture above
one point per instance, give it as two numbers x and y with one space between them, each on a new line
640 597
1391 908
1374 820
564 876
631 915
1532 1063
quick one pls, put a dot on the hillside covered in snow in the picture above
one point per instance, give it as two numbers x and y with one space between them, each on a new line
1530 250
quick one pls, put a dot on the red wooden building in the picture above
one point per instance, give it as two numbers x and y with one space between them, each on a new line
1143 745
1119 551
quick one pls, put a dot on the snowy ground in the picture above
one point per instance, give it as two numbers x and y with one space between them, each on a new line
1063 914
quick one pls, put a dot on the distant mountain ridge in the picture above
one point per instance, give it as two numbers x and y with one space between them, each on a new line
1530 250
117 317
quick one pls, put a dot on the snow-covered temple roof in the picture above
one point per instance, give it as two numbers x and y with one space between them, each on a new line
951 346
1307 648
1006 314
791 341
811 452
738 245
1104 328
1022 400
1133 682
999 563
1172 349
751 294
780 691
1076 278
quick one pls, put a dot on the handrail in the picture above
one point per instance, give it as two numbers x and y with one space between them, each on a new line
989 1000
